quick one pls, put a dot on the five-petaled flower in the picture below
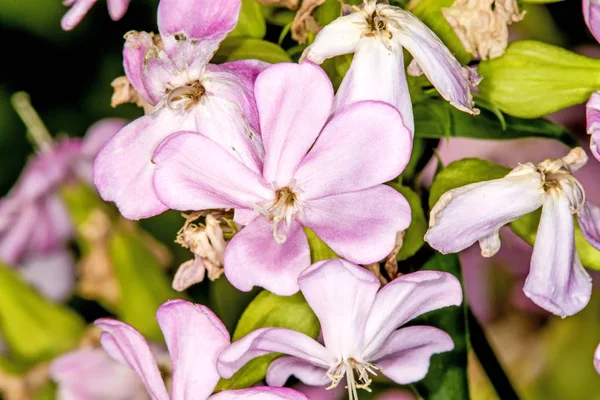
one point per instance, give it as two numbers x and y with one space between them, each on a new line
195 337
360 325
319 172
172 73
377 34
557 280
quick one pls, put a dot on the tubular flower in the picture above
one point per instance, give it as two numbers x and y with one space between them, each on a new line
323 173
172 73
361 338
557 280
195 337
79 8
377 34
593 122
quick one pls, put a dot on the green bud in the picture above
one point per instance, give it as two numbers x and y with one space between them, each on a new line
34 328
533 79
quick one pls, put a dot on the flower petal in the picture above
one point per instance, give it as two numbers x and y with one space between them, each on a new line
450 78
337 38
17 228
76 13
294 102
123 169
406 298
137 45
589 222
117 8
331 288
53 274
254 258
591 14
283 368
195 338
557 281
489 205
127 345
405 356
593 113
195 173
260 393
597 359
359 226
377 73
362 146
271 340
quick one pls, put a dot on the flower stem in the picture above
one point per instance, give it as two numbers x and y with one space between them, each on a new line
36 130
489 362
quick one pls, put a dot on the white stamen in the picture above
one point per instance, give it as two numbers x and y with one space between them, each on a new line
360 380
284 208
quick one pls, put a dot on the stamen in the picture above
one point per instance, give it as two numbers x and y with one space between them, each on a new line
284 208
37 132
360 380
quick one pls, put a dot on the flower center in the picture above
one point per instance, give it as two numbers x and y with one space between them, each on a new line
184 97
556 176
356 374
285 207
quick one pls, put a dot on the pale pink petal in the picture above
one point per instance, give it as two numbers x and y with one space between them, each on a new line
127 345
591 14
137 45
194 173
123 169
331 288
597 359
377 73
91 374
467 214
557 281
294 102
359 226
589 222
75 15
254 258
397 395
271 340
593 112
160 75
450 78
338 37
260 393
321 393
53 274
117 8
362 146
15 238
98 134
406 298
405 355
283 368
195 338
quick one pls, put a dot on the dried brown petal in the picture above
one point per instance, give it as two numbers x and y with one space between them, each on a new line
304 22
124 93
291 4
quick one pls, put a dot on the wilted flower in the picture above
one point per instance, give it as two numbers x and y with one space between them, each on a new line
79 8
377 35
361 337
323 173
195 338
172 73
557 281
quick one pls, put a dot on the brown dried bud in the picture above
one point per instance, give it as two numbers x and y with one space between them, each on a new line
304 22
124 93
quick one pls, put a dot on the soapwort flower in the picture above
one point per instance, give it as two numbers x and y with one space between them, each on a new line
320 172
557 280
377 35
172 73
361 337
79 8
195 337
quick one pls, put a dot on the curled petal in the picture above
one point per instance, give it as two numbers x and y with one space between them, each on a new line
331 288
283 368
405 356
195 338
255 258
137 45
271 340
489 205
260 393
557 281
589 222
591 14
78 10
593 115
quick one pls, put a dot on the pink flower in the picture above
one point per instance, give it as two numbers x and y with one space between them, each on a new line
172 73
360 325
593 120
591 15
79 8
195 337
319 172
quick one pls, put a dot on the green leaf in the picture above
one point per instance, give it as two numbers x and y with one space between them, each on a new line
251 22
319 250
436 119
269 310
337 67
413 237
34 328
227 302
430 12
233 49
471 170
533 79
447 376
